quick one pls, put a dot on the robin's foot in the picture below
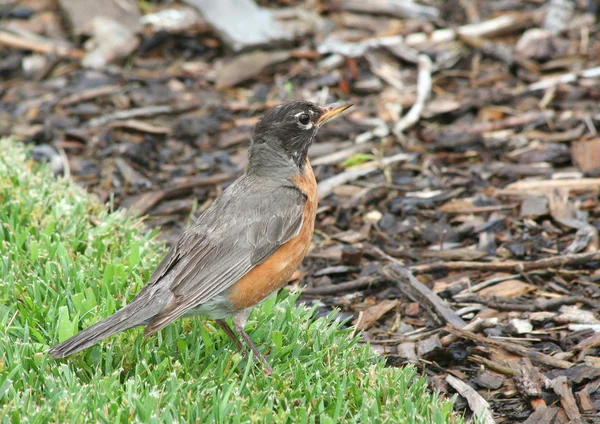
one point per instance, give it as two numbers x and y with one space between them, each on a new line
257 354
239 323
232 335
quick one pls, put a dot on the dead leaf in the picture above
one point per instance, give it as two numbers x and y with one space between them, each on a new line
508 288
369 316
586 154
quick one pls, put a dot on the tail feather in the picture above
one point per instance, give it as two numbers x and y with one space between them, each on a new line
145 306
92 335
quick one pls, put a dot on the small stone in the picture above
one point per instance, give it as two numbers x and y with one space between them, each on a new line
372 217
428 345
533 207
520 326
351 256
407 351
412 309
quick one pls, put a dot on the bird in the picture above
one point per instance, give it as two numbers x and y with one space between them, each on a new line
244 247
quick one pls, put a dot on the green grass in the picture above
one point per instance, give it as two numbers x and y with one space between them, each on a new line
66 262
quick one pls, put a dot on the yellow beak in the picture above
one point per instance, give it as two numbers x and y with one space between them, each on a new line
332 110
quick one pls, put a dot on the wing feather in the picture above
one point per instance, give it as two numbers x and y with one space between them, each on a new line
243 228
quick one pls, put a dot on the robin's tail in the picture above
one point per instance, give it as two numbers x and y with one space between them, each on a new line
138 312
90 336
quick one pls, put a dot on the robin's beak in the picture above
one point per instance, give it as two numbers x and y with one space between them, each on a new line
332 110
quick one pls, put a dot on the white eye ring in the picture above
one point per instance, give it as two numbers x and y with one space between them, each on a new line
306 126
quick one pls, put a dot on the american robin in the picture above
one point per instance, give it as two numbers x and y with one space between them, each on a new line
244 247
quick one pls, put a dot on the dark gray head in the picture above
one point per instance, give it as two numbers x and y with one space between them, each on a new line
289 129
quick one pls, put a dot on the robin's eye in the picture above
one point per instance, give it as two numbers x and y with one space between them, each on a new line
304 119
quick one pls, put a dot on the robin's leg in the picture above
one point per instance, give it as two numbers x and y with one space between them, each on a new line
239 322
227 329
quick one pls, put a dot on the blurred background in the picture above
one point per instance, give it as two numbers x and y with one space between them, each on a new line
473 140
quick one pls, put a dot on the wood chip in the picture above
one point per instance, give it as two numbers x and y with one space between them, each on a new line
481 409
247 66
543 416
567 401
141 126
532 354
368 317
420 293
407 350
508 288
489 380
586 155
527 188
80 13
428 345
241 23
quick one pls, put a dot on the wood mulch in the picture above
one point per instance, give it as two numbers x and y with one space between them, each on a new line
459 199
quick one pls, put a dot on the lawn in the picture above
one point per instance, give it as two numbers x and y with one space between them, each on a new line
66 262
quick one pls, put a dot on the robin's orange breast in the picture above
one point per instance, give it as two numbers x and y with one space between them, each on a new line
275 272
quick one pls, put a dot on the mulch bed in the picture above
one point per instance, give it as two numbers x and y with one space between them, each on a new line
459 199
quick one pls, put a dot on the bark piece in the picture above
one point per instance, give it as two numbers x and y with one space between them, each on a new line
479 406
567 400
81 13
241 23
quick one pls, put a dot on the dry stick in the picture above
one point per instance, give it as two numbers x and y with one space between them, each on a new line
340 155
91 93
537 305
501 25
517 349
359 283
480 407
423 93
419 292
509 266
476 287
138 112
327 186
39 45
526 188
476 325
494 366
567 401
564 79
399 9
513 121
177 188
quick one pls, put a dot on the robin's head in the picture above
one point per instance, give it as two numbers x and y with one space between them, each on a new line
290 128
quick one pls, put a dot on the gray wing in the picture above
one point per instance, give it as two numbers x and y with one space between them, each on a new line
243 228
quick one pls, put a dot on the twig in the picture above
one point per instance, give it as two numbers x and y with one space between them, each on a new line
417 291
509 266
495 366
136 113
326 186
513 121
476 287
526 188
177 188
537 305
517 349
480 407
39 45
567 401
486 29
359 283
341 155
423 92
564 79
397 8
480 209
91 93
474 326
